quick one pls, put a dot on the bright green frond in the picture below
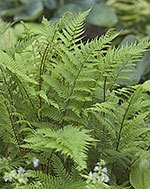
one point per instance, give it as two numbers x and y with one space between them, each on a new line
70 141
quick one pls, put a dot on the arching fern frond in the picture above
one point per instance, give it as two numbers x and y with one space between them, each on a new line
73 29
51 182
70 141
118 61
15 67
25 40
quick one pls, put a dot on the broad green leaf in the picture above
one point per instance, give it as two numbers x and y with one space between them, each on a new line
32 10
101 15
70 7
85 4
50 4
140 174
11 11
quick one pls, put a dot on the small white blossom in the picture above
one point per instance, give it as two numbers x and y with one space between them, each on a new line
94 176
36 163
105 178
96 168
20 170
6 179
105 170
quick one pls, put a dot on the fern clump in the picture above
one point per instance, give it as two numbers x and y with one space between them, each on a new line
61 102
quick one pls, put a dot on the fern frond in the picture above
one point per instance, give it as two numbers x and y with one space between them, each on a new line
73 76
59 169
15 67
119 61
25 41
70 141
52 182
124 123
73 29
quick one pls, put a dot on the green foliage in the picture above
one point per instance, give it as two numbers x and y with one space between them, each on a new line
102 15
138 72
69 141
59 96
20 9
133 18
32 10
140 174
131 12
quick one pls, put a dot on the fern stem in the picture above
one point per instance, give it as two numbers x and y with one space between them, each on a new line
12 125
9 113
6 84
104 94
42 65
42 71
122 123
71 93
26 92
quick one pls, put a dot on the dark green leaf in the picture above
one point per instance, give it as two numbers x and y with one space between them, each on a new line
101 15
33 9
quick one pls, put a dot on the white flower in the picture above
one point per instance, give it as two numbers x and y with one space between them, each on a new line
36 163
105 178
105 170
96 168
20 170
6 179
94 176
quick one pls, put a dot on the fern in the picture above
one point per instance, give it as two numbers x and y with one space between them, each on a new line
62 178
71 34
78 77
59 96
124 123
62 142
25 40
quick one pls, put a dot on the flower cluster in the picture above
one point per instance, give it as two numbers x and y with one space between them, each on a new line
104 175
19 175
100 172
99 175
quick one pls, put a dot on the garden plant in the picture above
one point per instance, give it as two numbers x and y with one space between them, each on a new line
66 122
